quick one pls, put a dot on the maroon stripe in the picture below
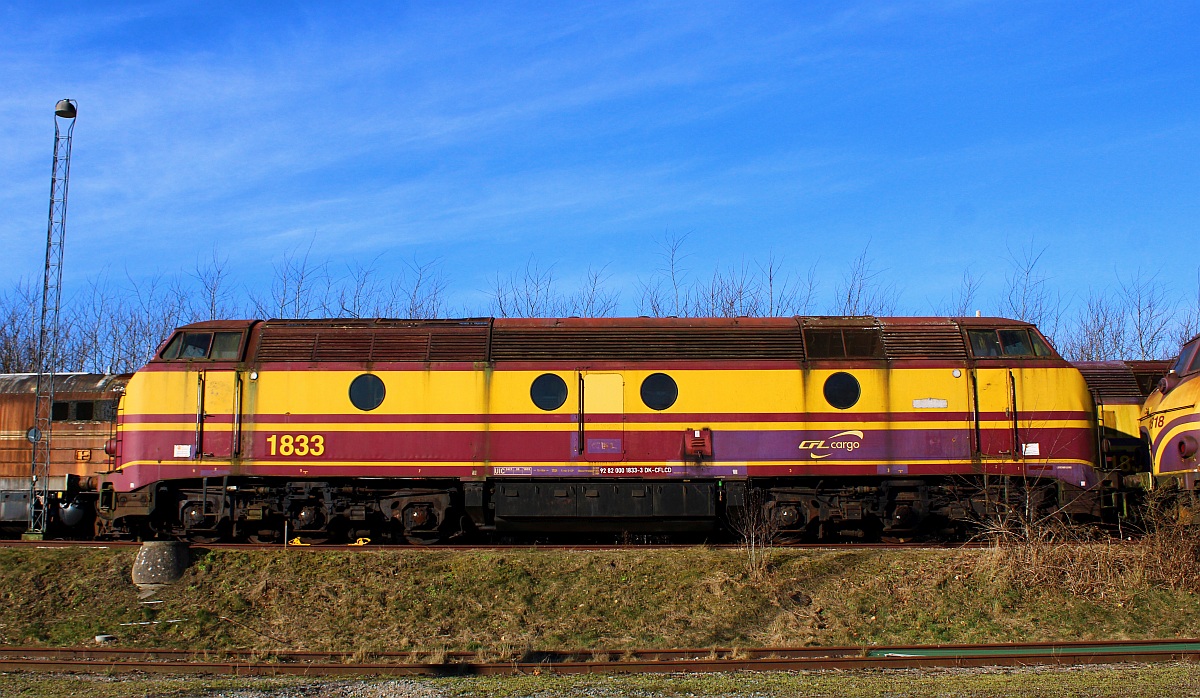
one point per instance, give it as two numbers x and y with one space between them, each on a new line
649 446
914 416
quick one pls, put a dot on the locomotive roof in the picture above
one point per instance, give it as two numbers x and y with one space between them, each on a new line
626 338
65 383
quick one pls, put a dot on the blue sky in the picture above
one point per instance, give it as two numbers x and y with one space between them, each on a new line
484 135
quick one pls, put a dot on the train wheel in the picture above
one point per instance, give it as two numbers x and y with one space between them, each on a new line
423 538
266 536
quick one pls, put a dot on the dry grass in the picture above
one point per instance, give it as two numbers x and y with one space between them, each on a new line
503 607
1048 553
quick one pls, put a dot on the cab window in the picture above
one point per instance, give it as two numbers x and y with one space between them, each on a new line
984 342
225 346
1185 359
195 345
218 346
1040 347
1015 342
1008 342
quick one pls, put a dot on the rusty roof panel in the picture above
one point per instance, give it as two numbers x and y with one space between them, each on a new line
1110 381
930 340
372 341
646 342
65 383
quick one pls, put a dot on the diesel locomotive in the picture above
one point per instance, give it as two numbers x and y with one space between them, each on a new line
82 420
421 431
1170 422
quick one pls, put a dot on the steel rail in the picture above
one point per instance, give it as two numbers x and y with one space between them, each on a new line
584 547
249 663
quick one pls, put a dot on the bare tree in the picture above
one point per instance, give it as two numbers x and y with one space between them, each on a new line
666 293
1187 323
862 292
19 310
531 293
294 287
1098 332
962 302
1027 294
1148 314
594 298
214 298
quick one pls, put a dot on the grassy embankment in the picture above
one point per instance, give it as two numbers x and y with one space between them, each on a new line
500 605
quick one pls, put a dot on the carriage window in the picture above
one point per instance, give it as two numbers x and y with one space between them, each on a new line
195 345
85 411
984 343
225 346
60 411
106 410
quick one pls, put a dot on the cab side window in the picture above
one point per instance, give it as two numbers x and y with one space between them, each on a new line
1186 361
1194 365
225 346
219 346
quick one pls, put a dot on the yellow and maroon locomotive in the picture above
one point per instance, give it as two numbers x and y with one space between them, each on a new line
1170 421
423 429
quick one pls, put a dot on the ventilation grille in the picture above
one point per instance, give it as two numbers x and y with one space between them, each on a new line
650 343
1110 380
421 342
924 342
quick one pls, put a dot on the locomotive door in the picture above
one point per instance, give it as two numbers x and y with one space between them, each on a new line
995 413
601 416
218 414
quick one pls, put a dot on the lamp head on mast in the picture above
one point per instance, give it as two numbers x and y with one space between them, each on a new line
65 108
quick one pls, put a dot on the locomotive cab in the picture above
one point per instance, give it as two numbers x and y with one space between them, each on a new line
1170 422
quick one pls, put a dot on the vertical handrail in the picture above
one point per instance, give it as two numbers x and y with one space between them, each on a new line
196 452
235 449
582 433
1017 449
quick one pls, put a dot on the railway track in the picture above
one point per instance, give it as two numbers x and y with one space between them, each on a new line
262 663
492 546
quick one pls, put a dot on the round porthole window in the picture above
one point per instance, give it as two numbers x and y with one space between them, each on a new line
659 391
842 390
366 392
548 391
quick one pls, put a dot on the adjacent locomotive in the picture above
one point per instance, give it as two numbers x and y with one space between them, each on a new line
83 419
1170 421
421 430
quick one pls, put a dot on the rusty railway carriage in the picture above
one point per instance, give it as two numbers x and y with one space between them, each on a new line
1170 422
420 430
82 420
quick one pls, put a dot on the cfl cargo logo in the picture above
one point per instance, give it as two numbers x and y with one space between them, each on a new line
845 443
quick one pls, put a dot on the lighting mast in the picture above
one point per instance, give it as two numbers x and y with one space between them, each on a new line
47 351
